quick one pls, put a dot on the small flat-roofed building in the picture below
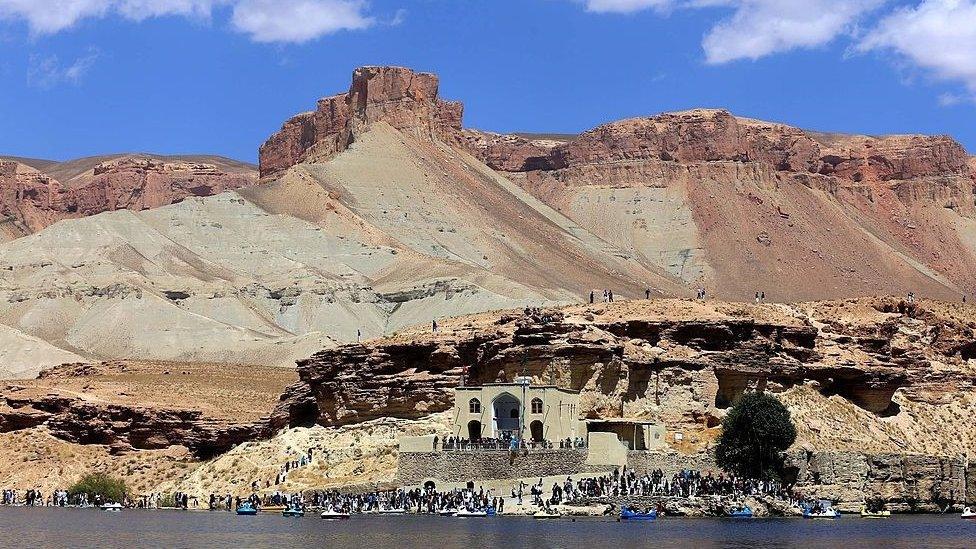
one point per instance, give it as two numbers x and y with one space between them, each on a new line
496 411
636 434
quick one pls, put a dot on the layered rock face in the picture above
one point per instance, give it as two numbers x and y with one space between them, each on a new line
681 363
33 199
146 406
28 197
139 183
786 200
400 97
906 483
127 427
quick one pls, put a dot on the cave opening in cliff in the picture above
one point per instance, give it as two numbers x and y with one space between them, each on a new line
877 400
731 385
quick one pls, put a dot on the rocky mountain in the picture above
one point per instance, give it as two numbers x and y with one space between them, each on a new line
731 204
381 224
36 193
379 210
738 205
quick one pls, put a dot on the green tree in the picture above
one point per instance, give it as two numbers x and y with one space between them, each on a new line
755 432
100 484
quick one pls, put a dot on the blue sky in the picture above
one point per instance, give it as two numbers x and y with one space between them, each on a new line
83 77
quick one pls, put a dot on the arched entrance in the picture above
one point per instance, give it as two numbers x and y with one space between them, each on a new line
505 416
474 430
536 429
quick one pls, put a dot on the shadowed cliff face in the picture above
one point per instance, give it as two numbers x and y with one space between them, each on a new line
678 362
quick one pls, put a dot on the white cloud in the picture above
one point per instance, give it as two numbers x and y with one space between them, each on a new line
145 9
758 28
262 20
762 27
53 16
297 20
46 71
938 36
625 6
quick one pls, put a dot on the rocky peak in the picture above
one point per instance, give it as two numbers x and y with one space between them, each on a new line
400 97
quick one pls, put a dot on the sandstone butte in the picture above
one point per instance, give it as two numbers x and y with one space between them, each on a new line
881 389
716 200
37 193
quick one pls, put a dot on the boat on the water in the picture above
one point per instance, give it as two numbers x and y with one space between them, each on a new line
744 512
546 514
880 513
968 513
116 507
247 508
824 510
392 511
447 512
470 513
293 511
332 514
631 514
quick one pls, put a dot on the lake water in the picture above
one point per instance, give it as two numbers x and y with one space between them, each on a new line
45 527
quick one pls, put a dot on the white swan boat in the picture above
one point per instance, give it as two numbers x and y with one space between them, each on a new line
332 514
968 513
447 512
116 507
827 512
467 513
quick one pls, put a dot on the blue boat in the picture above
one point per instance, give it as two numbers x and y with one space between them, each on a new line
745 512
630 514
247 508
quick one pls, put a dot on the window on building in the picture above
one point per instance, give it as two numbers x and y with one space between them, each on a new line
536 405
474 406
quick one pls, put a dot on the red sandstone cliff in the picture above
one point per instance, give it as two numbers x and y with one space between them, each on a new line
402 98
732 204
32 199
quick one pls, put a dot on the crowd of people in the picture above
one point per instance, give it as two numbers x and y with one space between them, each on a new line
686 483
426 500
507 442
35 498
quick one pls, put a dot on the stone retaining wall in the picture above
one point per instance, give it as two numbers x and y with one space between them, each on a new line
669 462
906 482
416 467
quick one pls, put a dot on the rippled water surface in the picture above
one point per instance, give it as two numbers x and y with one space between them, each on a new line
42 527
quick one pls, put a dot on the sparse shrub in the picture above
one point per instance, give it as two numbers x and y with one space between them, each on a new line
100 484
